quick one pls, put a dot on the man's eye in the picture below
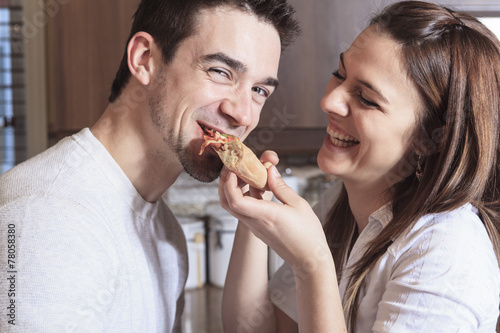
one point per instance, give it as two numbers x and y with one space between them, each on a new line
261 91
220 72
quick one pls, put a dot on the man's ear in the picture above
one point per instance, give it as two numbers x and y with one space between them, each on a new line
140 57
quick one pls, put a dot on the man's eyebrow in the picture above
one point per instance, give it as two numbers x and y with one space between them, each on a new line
366 84
271 81
233 63
238 66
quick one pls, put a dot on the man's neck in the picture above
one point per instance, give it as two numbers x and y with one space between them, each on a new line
150 170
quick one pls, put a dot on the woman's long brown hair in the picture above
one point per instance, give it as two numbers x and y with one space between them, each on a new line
454 62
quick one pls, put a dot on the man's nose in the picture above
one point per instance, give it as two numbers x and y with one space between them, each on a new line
239 109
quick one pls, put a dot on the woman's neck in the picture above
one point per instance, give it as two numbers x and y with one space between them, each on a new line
365 200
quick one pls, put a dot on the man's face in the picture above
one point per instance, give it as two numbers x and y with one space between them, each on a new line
219 78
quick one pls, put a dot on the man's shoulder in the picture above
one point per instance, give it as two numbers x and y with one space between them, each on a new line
36 173
44 213
65 170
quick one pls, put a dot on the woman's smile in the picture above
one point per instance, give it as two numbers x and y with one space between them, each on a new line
339 139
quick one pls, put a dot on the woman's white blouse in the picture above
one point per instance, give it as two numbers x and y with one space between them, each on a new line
439 276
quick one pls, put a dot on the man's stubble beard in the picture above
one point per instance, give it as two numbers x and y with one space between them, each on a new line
205 168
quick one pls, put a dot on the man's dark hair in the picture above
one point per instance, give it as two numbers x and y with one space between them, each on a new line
169 22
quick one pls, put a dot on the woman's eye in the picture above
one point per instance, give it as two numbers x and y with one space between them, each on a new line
362 100
338 76
367 103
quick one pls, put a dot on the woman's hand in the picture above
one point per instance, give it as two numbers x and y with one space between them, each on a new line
291 229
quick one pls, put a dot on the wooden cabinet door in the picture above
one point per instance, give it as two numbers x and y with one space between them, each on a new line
86 40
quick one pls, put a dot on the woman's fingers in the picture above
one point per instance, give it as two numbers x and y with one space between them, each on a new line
270 156
244 205
235 199
280 189
230 191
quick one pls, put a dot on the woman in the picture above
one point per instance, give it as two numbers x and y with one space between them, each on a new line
409 240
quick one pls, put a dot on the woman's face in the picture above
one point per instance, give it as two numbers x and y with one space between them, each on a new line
372 111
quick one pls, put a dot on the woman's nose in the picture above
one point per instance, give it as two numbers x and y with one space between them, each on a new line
335 100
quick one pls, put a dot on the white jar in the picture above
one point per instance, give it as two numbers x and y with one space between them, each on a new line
194 230
221 233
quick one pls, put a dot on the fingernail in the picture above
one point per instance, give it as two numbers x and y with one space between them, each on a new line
270 152
275 172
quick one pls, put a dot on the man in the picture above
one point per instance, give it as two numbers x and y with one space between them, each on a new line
88 245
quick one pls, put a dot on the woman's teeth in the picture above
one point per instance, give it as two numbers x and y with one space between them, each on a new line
341 140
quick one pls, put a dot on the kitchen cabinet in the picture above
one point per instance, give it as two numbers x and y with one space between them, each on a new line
86 40
292 121
85 43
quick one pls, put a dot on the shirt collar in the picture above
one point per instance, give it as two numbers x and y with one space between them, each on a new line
383 215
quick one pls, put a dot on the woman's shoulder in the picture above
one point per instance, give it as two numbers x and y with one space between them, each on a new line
451 255
460 228
453 244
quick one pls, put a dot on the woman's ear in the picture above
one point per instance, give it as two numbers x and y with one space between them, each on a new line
140 57
426 144
439 136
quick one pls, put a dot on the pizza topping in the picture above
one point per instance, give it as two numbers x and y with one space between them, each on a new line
215 139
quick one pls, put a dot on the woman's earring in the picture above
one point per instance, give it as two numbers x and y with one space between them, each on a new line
418 171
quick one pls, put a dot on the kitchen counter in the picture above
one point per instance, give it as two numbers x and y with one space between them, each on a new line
202 311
